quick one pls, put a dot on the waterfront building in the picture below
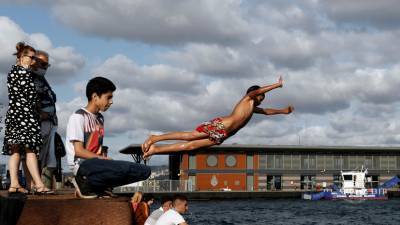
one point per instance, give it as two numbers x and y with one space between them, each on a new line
261 168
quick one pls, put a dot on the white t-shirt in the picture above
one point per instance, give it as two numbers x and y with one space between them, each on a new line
154 216
170 217
85 127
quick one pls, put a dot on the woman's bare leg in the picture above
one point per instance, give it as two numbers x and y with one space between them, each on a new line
32 164
29 182
186 136
13 165
178 147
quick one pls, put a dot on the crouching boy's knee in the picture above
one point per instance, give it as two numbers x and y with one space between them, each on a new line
146 172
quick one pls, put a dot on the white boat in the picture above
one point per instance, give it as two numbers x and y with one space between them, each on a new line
353 188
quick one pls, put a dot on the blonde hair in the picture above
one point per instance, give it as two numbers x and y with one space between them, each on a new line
137 197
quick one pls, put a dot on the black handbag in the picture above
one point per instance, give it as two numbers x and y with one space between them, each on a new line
59 146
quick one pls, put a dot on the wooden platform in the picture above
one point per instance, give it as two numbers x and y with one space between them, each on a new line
65 209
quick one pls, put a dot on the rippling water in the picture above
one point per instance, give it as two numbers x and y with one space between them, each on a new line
284 211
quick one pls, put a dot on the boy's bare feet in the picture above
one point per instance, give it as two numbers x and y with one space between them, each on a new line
280 81
149 153
290 109
149 142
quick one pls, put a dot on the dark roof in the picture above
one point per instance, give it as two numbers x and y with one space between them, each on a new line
136 149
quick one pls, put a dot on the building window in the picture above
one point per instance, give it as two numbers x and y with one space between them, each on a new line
312 162
230 161
353 162
384 162
192 162
270 161
287 161
274 183
250 183
337 162
360 161
345 162
328 162
392 162
278 161
304 162
376 163
307 182
296 161
368 162
212 161
249 162
320 162
398 161
262 161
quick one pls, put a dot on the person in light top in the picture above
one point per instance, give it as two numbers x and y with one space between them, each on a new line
173 216
166 204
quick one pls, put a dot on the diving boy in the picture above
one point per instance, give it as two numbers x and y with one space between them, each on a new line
219 129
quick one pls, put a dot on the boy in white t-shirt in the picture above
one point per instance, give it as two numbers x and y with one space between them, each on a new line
96 173
173 216
166 204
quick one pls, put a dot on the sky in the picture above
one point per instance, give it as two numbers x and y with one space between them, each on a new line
179 63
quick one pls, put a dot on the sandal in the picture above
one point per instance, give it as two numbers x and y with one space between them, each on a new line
42 192
18 190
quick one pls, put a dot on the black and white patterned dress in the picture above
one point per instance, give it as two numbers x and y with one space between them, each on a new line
22 128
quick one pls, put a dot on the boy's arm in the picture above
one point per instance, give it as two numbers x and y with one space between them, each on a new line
265 89
287 110
81 152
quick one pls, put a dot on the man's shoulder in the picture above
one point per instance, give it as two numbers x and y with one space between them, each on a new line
80 112
172 214
76 117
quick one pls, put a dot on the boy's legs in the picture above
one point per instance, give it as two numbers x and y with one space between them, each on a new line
177 147
102 174
186 136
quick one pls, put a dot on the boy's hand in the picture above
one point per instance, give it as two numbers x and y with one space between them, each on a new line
289 109
280 81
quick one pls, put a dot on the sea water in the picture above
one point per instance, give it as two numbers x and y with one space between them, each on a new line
291 211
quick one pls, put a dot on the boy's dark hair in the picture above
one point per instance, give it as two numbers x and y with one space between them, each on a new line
252 88
179 197
99 85
147 197
166 199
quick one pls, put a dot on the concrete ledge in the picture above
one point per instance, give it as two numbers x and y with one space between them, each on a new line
67 210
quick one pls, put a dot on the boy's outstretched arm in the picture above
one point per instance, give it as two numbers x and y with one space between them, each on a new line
286 110
267 88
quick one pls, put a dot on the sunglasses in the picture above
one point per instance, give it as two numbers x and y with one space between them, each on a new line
32 57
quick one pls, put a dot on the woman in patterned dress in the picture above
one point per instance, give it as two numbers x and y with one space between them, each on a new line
22 132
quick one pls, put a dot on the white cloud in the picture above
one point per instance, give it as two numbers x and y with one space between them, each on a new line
155 78
213 60
66 62
155 21
379 14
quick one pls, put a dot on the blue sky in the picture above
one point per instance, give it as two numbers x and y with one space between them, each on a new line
178 63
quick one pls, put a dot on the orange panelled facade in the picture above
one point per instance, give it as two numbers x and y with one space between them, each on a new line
217 170
235 182
201 161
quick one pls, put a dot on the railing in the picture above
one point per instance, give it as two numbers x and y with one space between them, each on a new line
159 186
